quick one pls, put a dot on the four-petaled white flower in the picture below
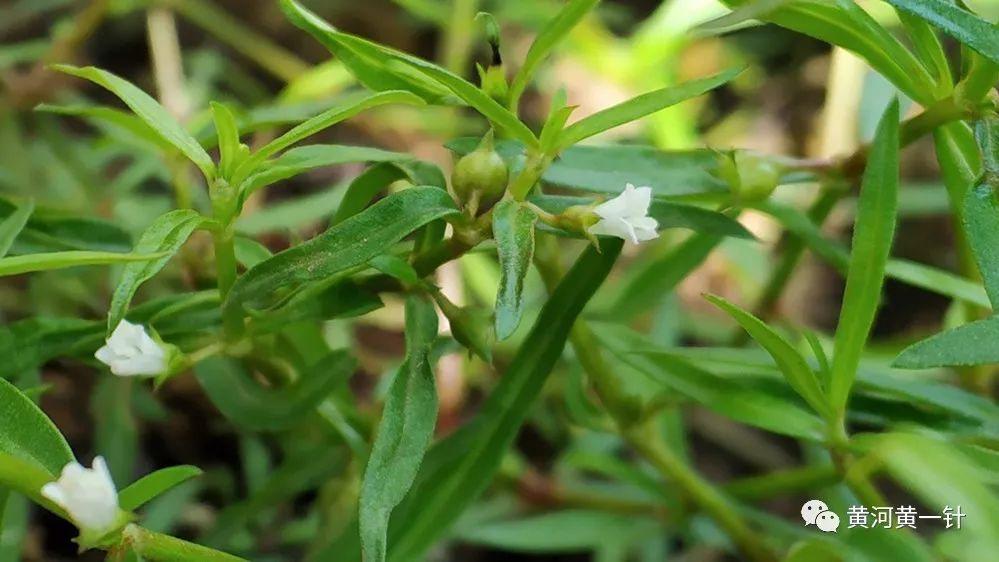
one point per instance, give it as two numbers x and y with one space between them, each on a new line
87 494
627 216
130 351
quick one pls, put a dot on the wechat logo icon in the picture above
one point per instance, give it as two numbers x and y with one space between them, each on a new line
816 512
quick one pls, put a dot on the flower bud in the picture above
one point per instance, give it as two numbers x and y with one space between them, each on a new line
750 176
470 326
480 177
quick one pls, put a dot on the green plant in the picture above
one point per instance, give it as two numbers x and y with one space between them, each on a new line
255 336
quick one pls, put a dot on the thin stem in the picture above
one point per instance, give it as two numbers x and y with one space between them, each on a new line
782 482
163 548
225 267
643 437
648 443
273 58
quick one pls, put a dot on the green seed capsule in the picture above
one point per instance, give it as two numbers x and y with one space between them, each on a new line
750 176
480 177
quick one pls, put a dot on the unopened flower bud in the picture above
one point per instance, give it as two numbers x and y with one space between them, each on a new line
470 326
480 177
750 176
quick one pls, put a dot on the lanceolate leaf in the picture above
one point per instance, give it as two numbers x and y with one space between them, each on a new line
165 237
404 433
970 344
513 228
847 25
981 223
147 109
553 32
369 62
791 363
318 123
458 469
11 226
28 434
304 158
915 274
639 107
61 260
248 404
365 188
872 239
397 65
348 244
957 22
227 133
147 488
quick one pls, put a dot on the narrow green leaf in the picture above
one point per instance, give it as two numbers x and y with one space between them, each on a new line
941 475
13 225
305 158
396 267
51 231
373 65
928 48
459 468
404 432
847 25
564 531
351 243
795 368
471 94
872 238
228 138
960 163
970 344
147 109
28 434
915 274
365 188
247 404
61 260
749 404
513 228
640 106
116 123
553 32
555 123
981 222
957 22
152 485
164 237
318 123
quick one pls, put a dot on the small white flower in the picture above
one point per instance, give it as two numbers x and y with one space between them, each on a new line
87 494
130 351
627 216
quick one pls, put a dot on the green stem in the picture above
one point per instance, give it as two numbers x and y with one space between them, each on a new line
534 167
163 548
647 442
782 482
225 267
273 58
643 437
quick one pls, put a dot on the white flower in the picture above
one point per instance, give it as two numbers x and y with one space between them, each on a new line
130 351
627 216
87 494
